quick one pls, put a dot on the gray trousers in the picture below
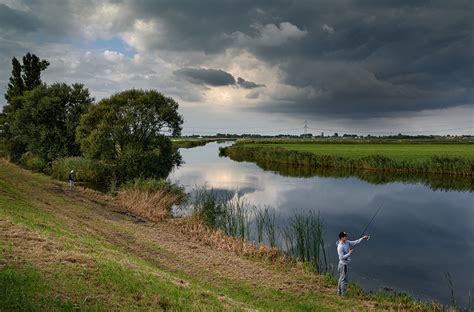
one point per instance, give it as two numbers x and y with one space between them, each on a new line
341 286
71 185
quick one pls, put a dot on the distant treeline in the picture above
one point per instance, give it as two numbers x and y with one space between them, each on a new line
345 136
367 140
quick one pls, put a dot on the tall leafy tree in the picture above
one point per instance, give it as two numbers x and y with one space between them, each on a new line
15 85
47 117
24 78
128 131
32 68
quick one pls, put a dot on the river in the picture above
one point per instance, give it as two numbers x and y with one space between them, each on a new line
418 235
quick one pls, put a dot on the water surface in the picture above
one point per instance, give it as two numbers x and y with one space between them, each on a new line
420 233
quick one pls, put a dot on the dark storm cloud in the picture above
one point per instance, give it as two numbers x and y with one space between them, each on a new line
203 76
248 84
214 77
11 19
357 58
345 58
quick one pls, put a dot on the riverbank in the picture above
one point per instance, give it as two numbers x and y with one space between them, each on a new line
83 251
411 157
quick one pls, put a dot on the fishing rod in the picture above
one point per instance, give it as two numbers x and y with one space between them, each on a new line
370 222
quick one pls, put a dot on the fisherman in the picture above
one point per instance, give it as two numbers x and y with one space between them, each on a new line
71 180
344 250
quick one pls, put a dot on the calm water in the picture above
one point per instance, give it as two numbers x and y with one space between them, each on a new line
418 235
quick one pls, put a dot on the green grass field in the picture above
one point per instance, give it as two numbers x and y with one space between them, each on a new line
396 151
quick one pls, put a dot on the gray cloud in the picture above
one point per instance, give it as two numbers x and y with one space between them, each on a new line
359 58
214 77
203 76
11 19
347 59
248 84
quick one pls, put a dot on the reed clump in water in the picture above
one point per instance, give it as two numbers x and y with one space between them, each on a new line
150 198
304 240
230 216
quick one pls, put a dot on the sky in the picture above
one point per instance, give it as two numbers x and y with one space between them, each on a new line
347 66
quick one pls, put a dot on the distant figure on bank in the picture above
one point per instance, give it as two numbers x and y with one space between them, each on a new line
71 180
344 250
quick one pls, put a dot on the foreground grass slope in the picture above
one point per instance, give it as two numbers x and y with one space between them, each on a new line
62 251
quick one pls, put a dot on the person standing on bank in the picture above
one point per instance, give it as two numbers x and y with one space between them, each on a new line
344 250
71 180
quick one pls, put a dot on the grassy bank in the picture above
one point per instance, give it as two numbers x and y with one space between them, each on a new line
63 251
442 182
424 158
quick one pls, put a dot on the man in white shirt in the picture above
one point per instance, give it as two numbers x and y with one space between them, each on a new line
344 250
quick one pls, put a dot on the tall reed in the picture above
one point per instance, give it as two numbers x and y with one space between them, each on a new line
270 226
229 214
304 240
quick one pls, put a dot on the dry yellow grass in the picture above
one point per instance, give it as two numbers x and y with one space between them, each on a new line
218 239
153 205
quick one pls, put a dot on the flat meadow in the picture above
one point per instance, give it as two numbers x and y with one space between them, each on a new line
395 151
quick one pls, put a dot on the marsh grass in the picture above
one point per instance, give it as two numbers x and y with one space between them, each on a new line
305 240
226 213
150 198
270 226
302 239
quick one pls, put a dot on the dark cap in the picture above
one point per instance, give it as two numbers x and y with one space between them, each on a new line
342 234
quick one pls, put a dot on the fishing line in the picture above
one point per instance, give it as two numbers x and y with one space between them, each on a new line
373 217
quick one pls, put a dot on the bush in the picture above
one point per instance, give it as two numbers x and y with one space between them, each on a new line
87 170
33 162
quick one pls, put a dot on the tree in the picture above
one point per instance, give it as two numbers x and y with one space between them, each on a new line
15 85
32 68
128 131
24 78
46 119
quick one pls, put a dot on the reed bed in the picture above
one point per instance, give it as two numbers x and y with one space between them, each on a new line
302 239
152 199
229 214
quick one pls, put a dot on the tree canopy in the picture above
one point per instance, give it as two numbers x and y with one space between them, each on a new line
128 130
25 77
45 120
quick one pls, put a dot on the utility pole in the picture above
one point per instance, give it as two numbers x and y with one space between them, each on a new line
305 128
